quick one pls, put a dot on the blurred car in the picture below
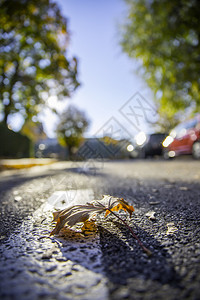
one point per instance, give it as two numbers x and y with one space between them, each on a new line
184 139
146 145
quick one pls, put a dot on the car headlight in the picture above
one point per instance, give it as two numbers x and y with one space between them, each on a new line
140 138
167 141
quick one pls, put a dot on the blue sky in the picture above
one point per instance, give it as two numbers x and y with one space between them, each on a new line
108 77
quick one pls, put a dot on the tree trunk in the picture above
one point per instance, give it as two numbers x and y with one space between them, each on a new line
70 153
8 107
6 113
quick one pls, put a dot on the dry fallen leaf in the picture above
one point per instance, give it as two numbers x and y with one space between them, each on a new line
81 213
84 213
183 188
151 215
171 228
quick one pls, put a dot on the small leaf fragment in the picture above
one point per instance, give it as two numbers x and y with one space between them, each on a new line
171 228
151 215
183 188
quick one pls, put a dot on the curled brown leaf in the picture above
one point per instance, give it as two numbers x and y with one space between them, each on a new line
81 213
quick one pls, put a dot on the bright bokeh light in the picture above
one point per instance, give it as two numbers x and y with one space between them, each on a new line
42 146
15 122
173 133
53 101
130 148
171 153
140 138
167 141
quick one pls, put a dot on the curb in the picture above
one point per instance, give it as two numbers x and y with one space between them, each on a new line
23 163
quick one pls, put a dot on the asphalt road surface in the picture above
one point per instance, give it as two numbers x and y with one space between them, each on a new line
109 264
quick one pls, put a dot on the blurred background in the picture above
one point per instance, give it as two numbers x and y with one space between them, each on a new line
99 79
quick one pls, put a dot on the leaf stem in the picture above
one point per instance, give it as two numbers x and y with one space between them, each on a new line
147 251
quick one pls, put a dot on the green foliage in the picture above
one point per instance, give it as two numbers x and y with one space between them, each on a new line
33 62
14 144
70 130
165 37
33 130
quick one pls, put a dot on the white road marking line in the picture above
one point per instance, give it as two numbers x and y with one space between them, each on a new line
32 264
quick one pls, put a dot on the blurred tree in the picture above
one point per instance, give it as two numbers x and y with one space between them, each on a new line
70 130
166 122
33 130
33 63
165 37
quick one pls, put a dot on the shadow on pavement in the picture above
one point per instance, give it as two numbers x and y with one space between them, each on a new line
119 257
123 259
81 250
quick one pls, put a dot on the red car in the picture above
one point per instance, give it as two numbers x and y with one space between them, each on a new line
184 139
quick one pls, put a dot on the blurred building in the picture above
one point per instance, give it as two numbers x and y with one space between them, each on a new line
97 148
49 148
91 148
